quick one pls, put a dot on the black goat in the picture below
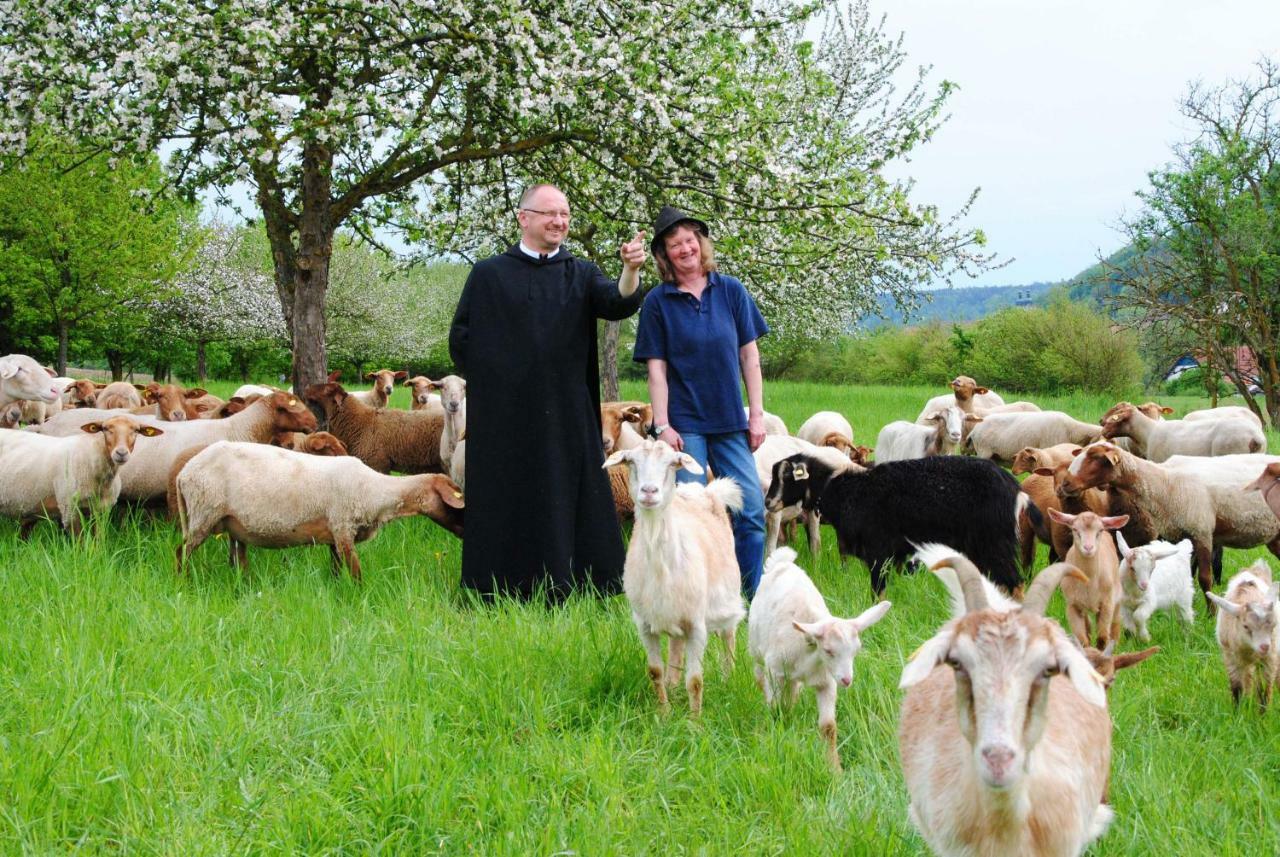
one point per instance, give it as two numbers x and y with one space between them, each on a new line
969 504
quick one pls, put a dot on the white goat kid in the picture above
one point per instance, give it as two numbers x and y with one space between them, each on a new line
681 575
796 641
1155 576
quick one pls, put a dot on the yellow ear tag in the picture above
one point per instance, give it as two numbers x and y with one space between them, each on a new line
457 495
293 402
800 472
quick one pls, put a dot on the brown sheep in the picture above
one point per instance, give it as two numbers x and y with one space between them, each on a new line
383 438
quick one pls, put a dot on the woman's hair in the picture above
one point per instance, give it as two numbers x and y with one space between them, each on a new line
667 273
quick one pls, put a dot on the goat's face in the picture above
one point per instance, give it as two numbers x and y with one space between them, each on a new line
288 413
1087 528
790 486
1003 664
118 436
1140 563
652 468
950 420
836 642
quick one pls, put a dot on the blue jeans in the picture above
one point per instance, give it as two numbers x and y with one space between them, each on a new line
729 454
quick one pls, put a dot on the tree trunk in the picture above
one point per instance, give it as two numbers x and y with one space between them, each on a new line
159 371
64 334
202 362
115 359
609 360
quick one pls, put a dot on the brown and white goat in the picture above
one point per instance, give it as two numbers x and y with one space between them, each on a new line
1093 551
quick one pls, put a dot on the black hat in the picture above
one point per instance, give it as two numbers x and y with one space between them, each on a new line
669 218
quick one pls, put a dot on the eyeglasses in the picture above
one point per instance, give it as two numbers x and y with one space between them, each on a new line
552 214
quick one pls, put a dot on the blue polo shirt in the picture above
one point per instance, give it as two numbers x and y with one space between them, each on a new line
699 339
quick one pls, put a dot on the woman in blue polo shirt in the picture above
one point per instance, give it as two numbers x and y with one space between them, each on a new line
698 333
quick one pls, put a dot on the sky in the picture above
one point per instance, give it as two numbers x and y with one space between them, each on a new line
1063 109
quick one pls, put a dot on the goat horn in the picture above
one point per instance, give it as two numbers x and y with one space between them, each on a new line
975 596
1041 589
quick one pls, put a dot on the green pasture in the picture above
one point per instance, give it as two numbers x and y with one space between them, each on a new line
286 711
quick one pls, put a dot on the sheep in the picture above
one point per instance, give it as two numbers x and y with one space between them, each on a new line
383 438
61 475
384 384
966 393
938 434
1223 412
1155 576
1010 408
1030 458
453 398
230 407
119 394
244 391
795 641
1004 734
878 512
1180 504
620 487
1042 487
617 417
422 396
767 455
270 497
171 403
23 379
681 575
81 393
1164 438
1248 633
1094 553
1265 484
828 428
1001 437
773 424
35 413
146 475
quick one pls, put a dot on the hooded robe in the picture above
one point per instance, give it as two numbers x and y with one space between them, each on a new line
539 508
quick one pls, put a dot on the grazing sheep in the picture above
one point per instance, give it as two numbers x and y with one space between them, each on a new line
1004 735
966 393
1029 458
383 438
61 475
1094 553
384 384
1248 632
828 428
878 512
795 641
1001 437
1265 484
1155 576
1164 438
23 379
119 394
423 398
937 433
270 497
681 575
146 476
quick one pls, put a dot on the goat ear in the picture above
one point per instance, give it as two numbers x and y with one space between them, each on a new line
1114 522
933 652
799 471
1122 545
149 431
1128 659
91 428
1074 665
617 458
812 631
689 463
1223 604
870 616
1062 518
632 414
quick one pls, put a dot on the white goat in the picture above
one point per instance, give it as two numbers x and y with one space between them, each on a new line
1004 736
1155 576
937 433
796 641
1249 631
681 575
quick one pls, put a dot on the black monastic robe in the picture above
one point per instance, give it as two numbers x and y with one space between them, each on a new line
539 509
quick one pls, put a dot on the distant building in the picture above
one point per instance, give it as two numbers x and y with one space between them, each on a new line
1246 364
1023 298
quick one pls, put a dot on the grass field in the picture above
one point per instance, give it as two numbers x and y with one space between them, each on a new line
290 712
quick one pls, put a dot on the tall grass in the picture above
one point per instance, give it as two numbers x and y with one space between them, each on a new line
286 711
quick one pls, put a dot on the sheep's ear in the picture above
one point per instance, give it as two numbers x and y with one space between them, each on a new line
149 431
812 631
8 370
617 458
335 376
1077 451
870 616
67 388
449 492
1128 659
1166 410
369 376
981 391
1074 665
1043 471
1123 546
933 652
196 393
91 428
400 375
141 389
1230 606
689 463
434 385
633 414
1114 522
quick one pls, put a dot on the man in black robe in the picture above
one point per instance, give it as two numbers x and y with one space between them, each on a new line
539 509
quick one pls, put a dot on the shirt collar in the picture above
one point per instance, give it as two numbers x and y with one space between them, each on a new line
535 254
672 289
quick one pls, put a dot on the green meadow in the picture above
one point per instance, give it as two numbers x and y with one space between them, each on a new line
285 711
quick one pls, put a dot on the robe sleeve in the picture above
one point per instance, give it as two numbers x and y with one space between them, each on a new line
606 301
460 330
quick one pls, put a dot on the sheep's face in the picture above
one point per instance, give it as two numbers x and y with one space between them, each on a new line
84 393
384 381
965 387
1154 410
421 386
323 443
453 391
1092 466
790 484
119 435
1266 484
1003 664
441 500
1117 421
328 396
24 378
1028 460
836 642
652 468
614 414
290 414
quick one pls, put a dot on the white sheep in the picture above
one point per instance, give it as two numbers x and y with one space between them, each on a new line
681 575
74 472
1002 436
1004 736
1249 631
272 497
22 378
1155 576
773 424
1164 438
828 428
1223 412
458 465
795 641
244 391
453 398
937 434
